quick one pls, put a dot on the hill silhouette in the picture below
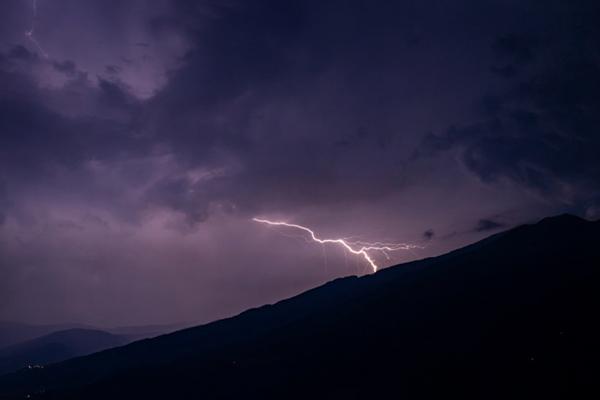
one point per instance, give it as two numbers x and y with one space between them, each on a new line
16 332
512 316
12 333
58 346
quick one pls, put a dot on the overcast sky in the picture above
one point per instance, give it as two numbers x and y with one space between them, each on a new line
139 138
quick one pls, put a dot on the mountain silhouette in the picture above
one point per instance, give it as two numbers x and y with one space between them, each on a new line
12 333
57 346
512 316
17 332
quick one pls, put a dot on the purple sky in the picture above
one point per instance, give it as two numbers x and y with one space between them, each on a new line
139 138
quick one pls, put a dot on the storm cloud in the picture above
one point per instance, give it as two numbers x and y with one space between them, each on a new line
134 156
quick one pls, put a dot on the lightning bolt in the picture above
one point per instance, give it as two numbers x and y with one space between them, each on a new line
359 248
30 34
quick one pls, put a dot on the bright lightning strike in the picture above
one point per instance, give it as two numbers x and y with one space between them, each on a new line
358 248
30 34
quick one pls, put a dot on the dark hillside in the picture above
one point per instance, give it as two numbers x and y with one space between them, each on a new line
513 316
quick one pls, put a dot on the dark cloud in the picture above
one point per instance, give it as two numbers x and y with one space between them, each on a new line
519 49
541 131
506 71
112 69
42 123
180 194
36 137
139 149
19 52
4 203
67 67
303 98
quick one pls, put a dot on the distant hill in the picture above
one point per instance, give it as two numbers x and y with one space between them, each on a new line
512 316
16 332
57 346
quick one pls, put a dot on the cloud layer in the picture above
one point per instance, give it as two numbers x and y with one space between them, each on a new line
133 156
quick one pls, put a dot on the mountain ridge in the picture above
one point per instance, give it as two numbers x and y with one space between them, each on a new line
58 346
516 278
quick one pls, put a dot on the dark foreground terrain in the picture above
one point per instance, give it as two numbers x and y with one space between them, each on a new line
513 316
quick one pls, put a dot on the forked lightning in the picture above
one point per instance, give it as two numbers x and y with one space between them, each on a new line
358 248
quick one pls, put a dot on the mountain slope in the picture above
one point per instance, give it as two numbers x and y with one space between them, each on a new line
512 316
57 346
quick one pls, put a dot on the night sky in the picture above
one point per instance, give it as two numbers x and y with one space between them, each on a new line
139 138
